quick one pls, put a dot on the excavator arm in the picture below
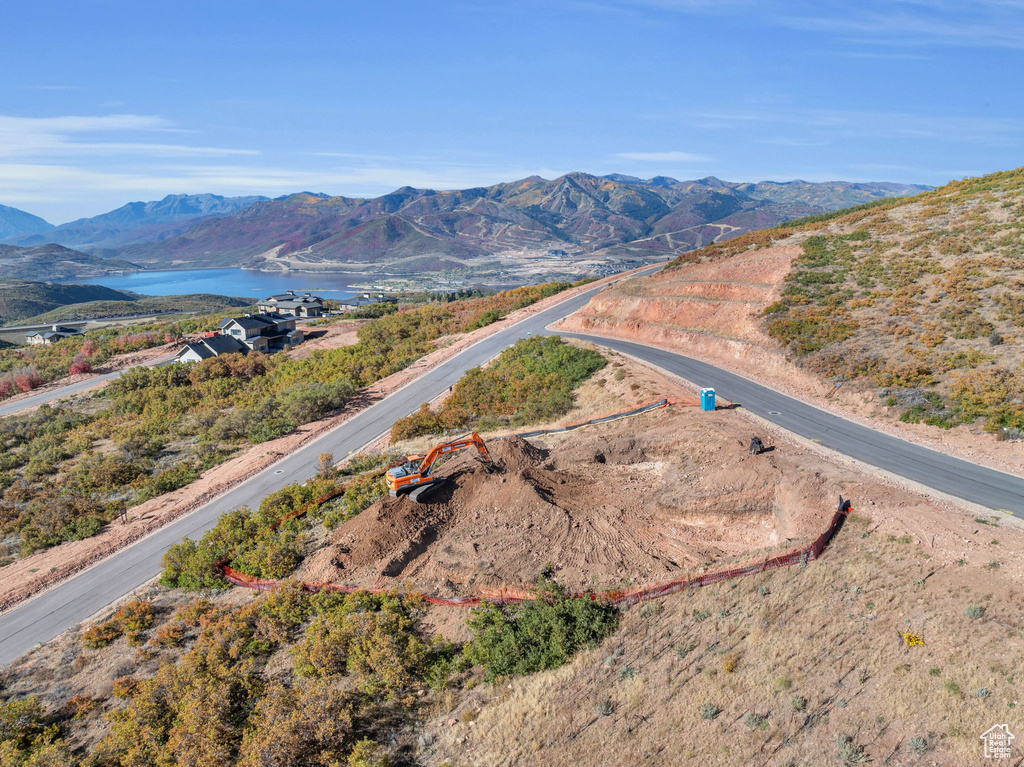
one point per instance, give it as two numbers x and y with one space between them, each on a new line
450 447
410 476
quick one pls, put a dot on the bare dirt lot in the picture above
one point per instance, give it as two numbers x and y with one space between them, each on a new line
623 504
636 501
330 336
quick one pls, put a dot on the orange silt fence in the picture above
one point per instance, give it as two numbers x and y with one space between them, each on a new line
630 596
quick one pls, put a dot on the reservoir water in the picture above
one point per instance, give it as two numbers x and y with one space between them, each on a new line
243 283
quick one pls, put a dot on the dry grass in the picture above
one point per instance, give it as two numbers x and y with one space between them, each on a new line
829 633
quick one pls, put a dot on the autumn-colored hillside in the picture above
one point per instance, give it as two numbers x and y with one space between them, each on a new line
922 295
913 302
615 216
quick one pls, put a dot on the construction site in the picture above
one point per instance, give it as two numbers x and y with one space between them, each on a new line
727 515
670 493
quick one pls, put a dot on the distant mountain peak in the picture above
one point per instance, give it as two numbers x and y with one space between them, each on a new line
14 222
138 221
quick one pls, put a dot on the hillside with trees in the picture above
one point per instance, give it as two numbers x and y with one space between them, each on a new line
20 299
920 297
912 304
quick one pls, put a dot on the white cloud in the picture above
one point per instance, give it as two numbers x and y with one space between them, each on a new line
44 137
663 157
902 23
832 123
969 23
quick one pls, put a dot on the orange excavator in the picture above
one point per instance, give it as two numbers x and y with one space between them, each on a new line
414 476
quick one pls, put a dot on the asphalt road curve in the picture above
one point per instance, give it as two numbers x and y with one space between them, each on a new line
954 476
74 600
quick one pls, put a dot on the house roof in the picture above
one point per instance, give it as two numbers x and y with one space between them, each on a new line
253 321
365 300
214 346
222 344
49 334
293 298
197 348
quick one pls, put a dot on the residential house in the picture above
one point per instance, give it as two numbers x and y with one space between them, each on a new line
56 333
305 305
210 346
267 333
358 302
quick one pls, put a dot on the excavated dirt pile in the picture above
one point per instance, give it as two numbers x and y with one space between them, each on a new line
629 502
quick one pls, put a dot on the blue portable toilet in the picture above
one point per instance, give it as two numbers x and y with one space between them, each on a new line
707 399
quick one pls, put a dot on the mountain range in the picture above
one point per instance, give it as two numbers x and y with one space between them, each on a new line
18 223
423 229
131 223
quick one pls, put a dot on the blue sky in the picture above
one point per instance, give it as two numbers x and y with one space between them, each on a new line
104 101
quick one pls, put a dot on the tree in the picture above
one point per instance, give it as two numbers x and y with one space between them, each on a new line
325 465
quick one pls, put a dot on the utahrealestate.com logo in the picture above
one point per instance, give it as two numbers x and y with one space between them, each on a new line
998 741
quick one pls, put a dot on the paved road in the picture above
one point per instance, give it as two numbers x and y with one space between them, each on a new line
956 477
77 598
66 391
74 600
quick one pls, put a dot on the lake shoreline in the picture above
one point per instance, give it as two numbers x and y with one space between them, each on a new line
227 281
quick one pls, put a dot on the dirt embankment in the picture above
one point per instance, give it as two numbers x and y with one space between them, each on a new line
713 312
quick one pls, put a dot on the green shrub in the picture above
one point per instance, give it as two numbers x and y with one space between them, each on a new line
529 382
754 720
709 711
917 745
536 635
369 637
849 752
